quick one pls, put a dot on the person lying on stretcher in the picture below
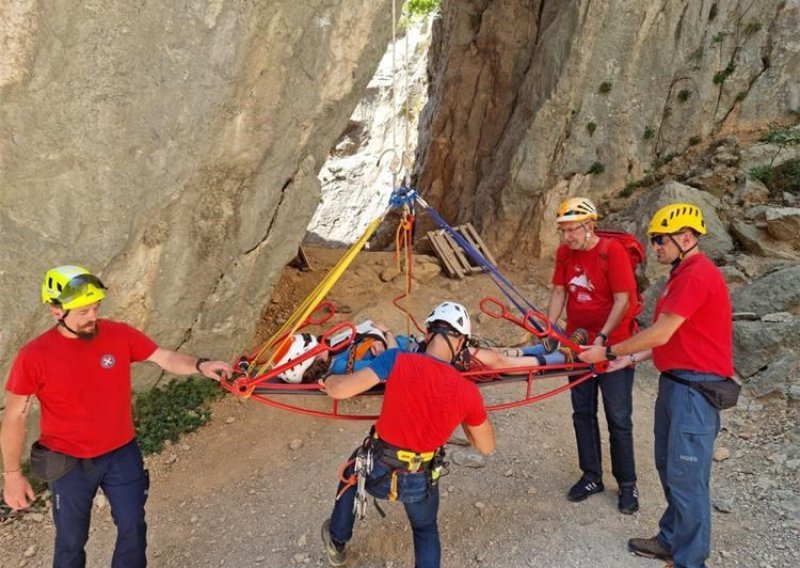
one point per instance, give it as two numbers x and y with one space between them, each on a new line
373 338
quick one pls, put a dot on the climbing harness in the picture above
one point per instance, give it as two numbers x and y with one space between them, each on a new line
398 461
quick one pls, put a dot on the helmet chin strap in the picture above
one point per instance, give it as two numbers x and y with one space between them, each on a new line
453 354
587 235
62 322
78 334
681 253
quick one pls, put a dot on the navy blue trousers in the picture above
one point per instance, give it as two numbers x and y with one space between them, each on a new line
617 391
421 502
124 481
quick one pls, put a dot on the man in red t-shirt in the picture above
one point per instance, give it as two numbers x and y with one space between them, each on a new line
424 400
594 278
691 343
79 370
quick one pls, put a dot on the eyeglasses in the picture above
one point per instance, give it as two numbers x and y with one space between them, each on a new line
561 231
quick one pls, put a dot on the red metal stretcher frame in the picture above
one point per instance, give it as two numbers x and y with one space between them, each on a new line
262 388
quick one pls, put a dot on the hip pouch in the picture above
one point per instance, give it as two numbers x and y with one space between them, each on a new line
722 395
49 465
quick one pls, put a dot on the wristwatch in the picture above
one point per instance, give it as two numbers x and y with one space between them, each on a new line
610 354
604 336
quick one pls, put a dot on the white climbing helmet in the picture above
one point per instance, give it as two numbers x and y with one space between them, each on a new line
368 329
301 343
452 313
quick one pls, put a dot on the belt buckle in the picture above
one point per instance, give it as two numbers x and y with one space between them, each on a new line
413 459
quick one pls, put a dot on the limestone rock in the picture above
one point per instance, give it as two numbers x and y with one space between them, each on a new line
783 223
507 169
751 192
778 291
469 458
184 176
756 241
358 178
778 377
758 345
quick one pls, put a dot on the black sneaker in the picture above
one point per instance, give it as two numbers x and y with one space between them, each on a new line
336 557
650 548
583 489
628 502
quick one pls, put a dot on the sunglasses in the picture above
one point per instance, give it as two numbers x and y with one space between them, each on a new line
79 287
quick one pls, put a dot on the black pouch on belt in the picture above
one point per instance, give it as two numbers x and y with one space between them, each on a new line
720 394
49 465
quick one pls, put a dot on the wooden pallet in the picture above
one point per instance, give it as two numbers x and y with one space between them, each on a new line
456 262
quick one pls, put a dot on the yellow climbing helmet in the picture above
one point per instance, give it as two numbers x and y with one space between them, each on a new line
576 209
676 216
71 287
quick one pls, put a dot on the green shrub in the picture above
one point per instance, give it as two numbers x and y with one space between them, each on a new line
596 168
752 28
781 136
604 88
694 141
666 159
422 7
779 179
648 133
164 413
718 38
629 188
684 95
720 76
712 13
591 127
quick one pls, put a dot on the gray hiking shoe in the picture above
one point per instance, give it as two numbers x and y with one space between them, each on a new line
336 557
649 548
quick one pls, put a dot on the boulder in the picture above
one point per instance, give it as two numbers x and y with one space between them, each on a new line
783 223
751 191
777 378
778 291
755 240
758 345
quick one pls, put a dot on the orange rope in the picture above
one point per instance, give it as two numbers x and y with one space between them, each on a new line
402 242
348 481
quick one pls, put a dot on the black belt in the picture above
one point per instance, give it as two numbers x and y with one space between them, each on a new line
398 458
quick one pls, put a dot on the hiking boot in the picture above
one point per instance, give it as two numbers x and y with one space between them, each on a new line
650 548
583 489
550 344
578 337
336 557
628 502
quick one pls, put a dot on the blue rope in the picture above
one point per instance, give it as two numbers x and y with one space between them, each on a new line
405 195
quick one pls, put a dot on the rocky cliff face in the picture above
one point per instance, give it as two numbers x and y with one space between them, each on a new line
534 101
174 149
